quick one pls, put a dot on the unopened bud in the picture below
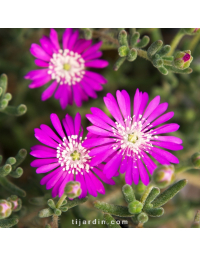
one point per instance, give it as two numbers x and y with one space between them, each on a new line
135 207
72 189
196 159
163 176
16 203
5 209
182 60
142 217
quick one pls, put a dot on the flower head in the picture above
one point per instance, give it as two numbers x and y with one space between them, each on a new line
16 203
5 209
128 142
64 157
163 176
67 67
182 60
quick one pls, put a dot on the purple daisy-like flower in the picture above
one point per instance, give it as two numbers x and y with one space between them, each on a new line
67 67
128 142
64 157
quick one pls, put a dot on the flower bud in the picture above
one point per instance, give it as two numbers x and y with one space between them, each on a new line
182 60
72 189
163 176
196 159
5 209
16 203
135 207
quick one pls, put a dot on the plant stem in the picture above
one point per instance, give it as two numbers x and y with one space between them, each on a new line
176 41
54 223
194 42
60 201
142 54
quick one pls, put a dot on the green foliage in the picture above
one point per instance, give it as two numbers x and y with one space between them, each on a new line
149 204
110 221
6 97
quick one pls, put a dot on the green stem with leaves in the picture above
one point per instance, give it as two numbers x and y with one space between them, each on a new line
176 41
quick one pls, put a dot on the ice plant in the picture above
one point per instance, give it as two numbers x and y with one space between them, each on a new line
67 66
128 142
65 158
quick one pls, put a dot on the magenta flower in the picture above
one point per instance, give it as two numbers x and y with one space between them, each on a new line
128 142
67 67
65 158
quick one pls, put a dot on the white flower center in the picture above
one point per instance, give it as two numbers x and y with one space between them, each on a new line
72 156
67 67
133 136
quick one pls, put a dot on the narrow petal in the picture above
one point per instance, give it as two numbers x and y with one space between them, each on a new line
124 164
96 77
96 63
165 154
98 184
89 143
143 173
36 74
77 95
135 172
172 139
49 91
82 46
47 45
77 123
166 128
114 110
70 123
80 178
127 102
44 138
47 168
72 40
112 166
162 119
167 145
39 162
151 166
157 112
57 125
88 90
128 174
101 157
98 122
98 112
103 177
40 82
42 154
92 49
98 131
51 182
48 131
41 63
39 53
66 36
90 185
45 179
95 85
54 39
151 107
